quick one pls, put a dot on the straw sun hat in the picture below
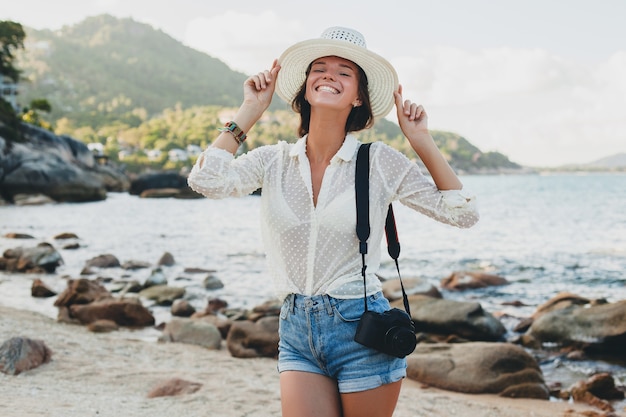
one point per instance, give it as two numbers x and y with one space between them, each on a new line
345 43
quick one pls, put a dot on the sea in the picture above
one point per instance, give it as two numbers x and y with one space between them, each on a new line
544 233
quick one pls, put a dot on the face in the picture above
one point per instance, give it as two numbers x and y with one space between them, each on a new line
333 82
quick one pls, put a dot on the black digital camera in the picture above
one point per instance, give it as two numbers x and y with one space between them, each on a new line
391 332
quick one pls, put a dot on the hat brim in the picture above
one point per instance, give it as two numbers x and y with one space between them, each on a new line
381 76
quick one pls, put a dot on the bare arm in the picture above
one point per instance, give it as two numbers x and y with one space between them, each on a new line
413 121
257 96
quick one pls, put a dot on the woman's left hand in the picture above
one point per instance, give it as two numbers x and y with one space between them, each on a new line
412 117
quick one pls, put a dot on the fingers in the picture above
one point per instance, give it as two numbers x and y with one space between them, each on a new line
264 78
397 95
413 111
407 108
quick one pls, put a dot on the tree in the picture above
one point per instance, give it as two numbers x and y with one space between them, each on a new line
41 104
11 39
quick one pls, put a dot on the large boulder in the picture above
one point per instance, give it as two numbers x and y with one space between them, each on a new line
599 327
479 367
59 167
448 317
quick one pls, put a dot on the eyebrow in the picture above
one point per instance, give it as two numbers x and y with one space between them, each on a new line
348 66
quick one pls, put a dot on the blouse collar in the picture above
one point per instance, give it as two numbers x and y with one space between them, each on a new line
345 153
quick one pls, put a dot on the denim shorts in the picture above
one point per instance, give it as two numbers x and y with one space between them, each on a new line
317 335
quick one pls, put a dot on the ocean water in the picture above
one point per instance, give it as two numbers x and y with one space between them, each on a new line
544 233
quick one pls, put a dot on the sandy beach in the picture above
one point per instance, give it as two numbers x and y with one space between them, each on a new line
110 374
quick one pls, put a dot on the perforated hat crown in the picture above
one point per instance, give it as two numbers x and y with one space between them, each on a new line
344 34
345 43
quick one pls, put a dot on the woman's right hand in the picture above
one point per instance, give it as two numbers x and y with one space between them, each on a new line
258 89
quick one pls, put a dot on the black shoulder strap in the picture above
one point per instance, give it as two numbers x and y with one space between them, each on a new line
361 186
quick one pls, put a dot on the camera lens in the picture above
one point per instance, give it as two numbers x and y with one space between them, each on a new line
402 341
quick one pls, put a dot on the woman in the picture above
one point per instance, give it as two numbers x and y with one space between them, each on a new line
308 214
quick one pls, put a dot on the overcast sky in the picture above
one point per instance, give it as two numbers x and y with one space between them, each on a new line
542 81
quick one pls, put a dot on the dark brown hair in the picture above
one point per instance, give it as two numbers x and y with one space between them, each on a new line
360 117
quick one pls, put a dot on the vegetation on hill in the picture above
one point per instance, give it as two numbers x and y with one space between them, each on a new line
105 68
135 90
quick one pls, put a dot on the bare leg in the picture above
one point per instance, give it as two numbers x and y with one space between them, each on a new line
377 402
306 394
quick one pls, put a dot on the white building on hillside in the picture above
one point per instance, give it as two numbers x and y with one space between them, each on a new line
9 92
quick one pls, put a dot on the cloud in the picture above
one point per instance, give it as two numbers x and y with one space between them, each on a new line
529 104
246 42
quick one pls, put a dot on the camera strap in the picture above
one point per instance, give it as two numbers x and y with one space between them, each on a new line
361 187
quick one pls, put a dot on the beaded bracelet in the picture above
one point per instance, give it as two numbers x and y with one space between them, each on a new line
235 130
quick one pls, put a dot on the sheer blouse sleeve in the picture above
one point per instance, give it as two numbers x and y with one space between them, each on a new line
405 182
218 174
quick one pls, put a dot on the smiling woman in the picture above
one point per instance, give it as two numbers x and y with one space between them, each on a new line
337 86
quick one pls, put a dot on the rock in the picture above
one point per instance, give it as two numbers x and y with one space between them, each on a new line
597 391
58 167
20 354
81 291
31 200
198 271
195 332
268 308
223 324
14 235
465 280
40 290
598 328
167 259
602 385
103 261
133 265
215 305
126 312
479 367
211 282
392 290
157 180
42 258
65 235
157 277
160 193
102 326
560 301
182 308
247 339
132 286
163 295
174 386
448 317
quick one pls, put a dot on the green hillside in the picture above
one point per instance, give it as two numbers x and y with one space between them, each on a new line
104 67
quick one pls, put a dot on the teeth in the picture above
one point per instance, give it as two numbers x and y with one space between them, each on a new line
328 89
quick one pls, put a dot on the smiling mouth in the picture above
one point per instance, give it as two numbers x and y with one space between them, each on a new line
328 89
